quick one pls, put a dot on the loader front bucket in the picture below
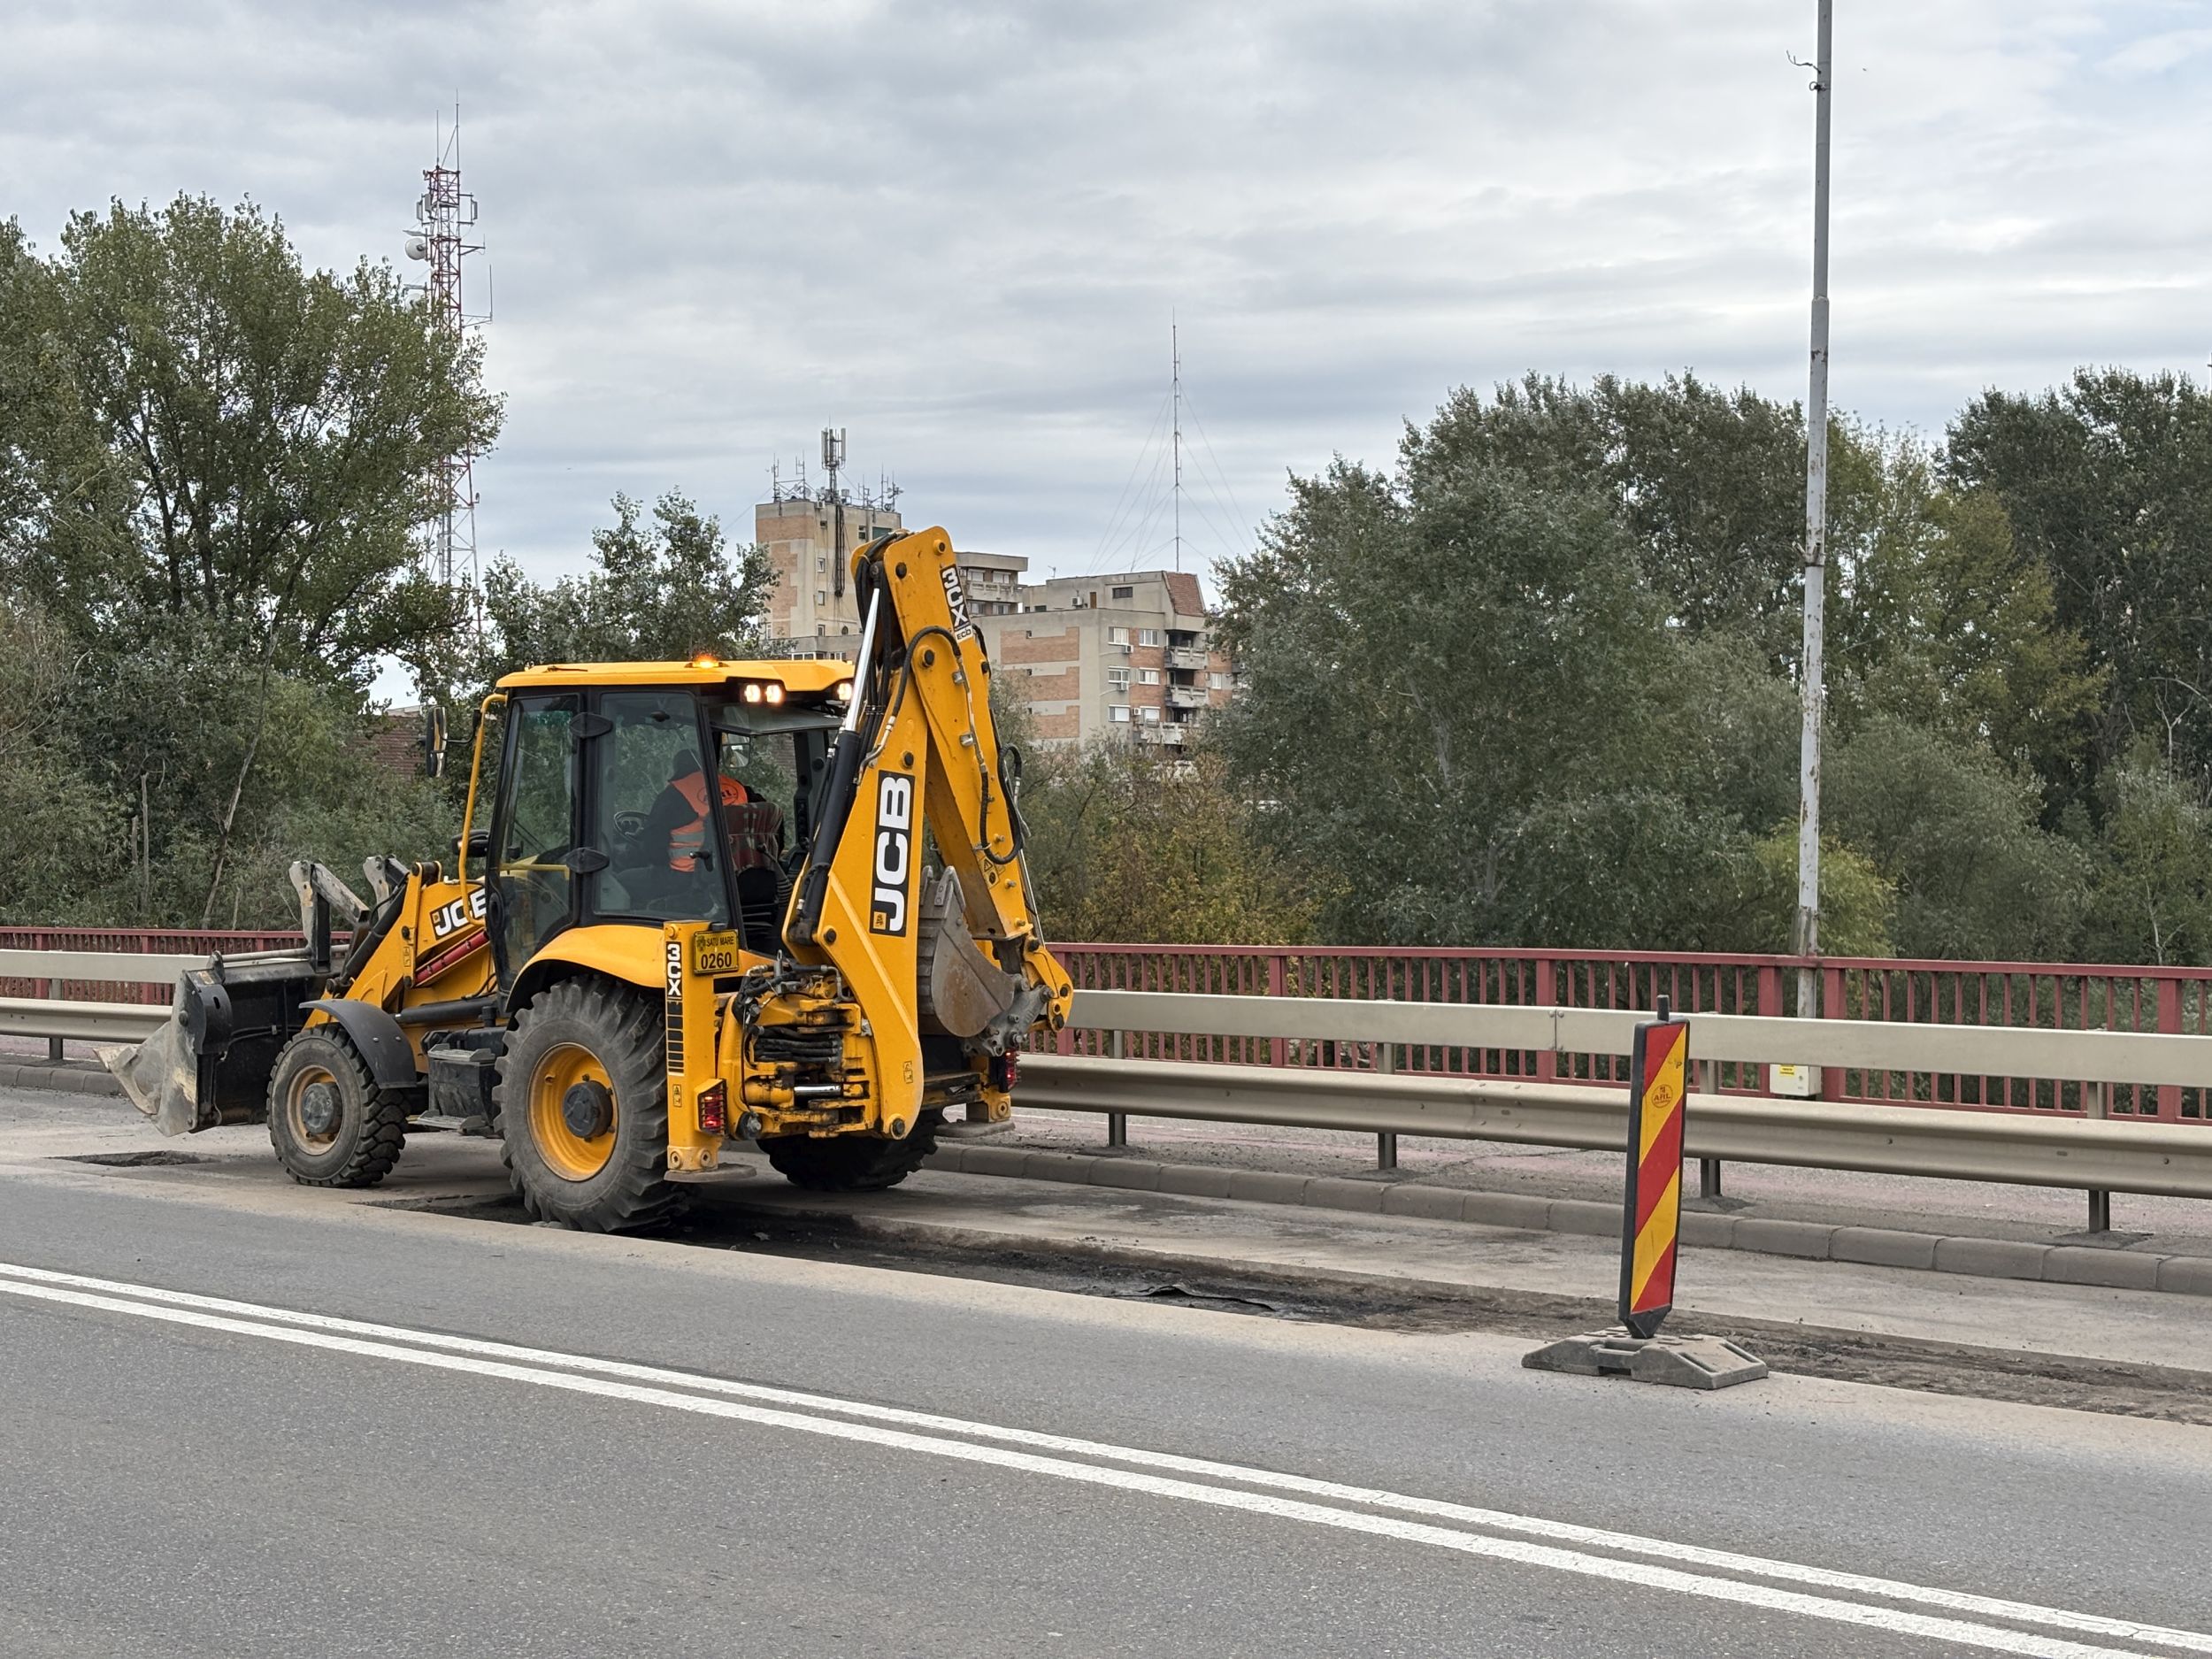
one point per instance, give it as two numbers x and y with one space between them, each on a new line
211 1064
161 1076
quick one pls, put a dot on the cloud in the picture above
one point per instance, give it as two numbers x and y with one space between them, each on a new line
959 230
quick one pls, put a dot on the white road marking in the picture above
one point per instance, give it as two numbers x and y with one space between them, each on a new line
473 1357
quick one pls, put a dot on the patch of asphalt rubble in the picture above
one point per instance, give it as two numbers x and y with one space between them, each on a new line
2164 1394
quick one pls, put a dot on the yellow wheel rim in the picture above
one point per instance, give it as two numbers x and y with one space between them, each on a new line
296 1109
571 1156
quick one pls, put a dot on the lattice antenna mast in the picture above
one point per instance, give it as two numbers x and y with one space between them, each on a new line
1175 346
834 498
444 234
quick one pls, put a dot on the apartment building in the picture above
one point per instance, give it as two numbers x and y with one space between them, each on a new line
812 608
1131 655
812 612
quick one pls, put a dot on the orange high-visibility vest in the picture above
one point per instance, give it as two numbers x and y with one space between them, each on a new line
685 841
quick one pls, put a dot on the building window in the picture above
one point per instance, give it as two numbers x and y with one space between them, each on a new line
1147 636
1151 715
821 627
1124 593
1118 679
1219 682
1117 636
821 597
821 561
1118 713
1148 677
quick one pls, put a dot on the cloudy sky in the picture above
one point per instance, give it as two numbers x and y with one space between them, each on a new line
960 230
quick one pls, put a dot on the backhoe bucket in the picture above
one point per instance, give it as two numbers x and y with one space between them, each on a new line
211 1064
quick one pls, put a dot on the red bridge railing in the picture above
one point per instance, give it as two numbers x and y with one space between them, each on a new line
2072 996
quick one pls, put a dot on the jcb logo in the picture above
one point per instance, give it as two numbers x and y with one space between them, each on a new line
957 599
895 844
459 913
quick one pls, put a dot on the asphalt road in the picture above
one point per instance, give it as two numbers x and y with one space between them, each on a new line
711 1453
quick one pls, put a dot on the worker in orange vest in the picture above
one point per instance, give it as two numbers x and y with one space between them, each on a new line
683 808
755 825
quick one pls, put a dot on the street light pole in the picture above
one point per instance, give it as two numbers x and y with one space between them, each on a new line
1807 939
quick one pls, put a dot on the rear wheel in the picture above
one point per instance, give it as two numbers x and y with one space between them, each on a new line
330 1124
853 1163
583 1108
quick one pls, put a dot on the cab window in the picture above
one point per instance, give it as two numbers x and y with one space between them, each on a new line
655 813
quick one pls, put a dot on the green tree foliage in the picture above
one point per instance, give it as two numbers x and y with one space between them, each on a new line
1467 705
2107 482
1126 844
212 468
2153 898
657 591
1532 688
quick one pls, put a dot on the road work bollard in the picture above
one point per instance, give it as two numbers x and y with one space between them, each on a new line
1651 1232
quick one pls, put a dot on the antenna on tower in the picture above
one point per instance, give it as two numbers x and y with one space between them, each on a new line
445 219
1175 383
834 498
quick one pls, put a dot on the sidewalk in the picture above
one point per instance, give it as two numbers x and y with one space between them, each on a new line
1827 1198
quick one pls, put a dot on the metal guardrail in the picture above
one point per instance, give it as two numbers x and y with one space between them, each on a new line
2099 1155
55 1020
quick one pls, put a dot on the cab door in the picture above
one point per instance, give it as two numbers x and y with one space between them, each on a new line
532 874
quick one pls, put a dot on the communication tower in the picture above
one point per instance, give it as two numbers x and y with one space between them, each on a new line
444 234
834 498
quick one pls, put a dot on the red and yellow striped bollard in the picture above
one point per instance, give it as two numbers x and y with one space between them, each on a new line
1651 1216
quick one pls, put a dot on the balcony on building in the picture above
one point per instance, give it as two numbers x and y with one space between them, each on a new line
1188 696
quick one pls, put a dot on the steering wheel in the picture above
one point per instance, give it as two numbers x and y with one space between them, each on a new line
629 825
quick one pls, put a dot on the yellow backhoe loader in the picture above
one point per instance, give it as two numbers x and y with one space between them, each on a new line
699 913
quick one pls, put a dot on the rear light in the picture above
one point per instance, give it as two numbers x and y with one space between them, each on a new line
1005 1070
714 1110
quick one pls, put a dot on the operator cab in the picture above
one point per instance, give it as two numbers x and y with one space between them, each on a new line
656 792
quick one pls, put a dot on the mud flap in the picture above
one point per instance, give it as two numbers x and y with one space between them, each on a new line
211 1064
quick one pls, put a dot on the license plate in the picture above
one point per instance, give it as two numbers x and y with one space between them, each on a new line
714 953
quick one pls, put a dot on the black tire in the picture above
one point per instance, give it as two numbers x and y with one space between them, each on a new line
614 1181
853 1163
350 1136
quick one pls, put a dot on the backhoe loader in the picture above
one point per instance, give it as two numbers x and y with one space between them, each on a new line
699 913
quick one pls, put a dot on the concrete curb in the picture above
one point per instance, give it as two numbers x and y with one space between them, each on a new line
71 1077
1872 1247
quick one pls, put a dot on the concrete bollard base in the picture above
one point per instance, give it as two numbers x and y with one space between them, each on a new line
1678 1362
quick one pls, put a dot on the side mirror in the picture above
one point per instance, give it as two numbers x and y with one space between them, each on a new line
480 845
433 742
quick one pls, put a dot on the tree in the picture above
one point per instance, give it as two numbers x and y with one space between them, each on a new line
1958 834
655 593
1708 487
56 826
2153 901
1126 844
1948 625
219 466
2107 482
1465 704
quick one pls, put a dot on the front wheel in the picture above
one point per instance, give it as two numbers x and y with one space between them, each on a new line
583 1108
852 1163
330 1124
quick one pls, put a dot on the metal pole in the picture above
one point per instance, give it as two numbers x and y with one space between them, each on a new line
1807 943
1387 1145
1117 1123
2099 1203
